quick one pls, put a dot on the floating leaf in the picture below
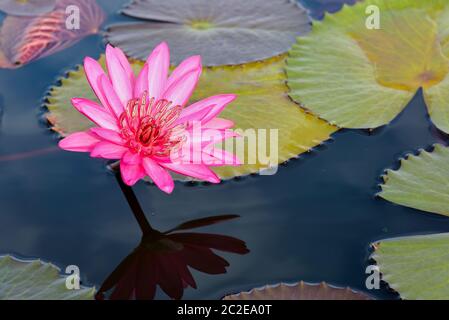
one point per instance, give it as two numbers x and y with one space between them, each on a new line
421 182
299 291
26 7
417 267
317 8
25 39
262 103
357 77
36 280
222 32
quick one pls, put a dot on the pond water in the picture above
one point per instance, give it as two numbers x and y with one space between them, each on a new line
313 221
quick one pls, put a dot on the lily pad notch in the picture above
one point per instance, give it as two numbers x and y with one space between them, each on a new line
361 78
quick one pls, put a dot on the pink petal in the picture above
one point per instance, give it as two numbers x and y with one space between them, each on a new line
131 158
113 101
184 67
192 151
108 150
94 72
211 136
131 173
119 74
142 82
125 65
198 171
190 119
96 113
195 157
180 91
208 155
212 105
109 135
79 142
159 175
158 64
218 123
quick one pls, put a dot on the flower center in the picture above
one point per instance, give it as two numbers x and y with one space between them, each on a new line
148 126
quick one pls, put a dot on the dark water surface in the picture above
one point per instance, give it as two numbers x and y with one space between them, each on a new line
312 221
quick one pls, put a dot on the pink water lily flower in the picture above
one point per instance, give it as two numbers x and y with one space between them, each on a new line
143 122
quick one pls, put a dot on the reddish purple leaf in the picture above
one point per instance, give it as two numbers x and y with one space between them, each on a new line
26 8
300 291
25 39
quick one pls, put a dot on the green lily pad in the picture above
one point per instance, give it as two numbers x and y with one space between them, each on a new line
356 77
36 280
262 103
421 182
222 32
416 267
299 291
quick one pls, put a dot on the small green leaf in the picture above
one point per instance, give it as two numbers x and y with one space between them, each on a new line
422 182
36 280
416 267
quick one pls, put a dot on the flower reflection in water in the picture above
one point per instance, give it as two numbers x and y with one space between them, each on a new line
163 258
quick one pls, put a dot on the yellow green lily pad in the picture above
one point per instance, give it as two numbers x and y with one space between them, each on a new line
356 76
421 182
36 280
262 103
417 267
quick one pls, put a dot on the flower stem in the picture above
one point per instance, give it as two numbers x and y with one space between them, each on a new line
134 205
